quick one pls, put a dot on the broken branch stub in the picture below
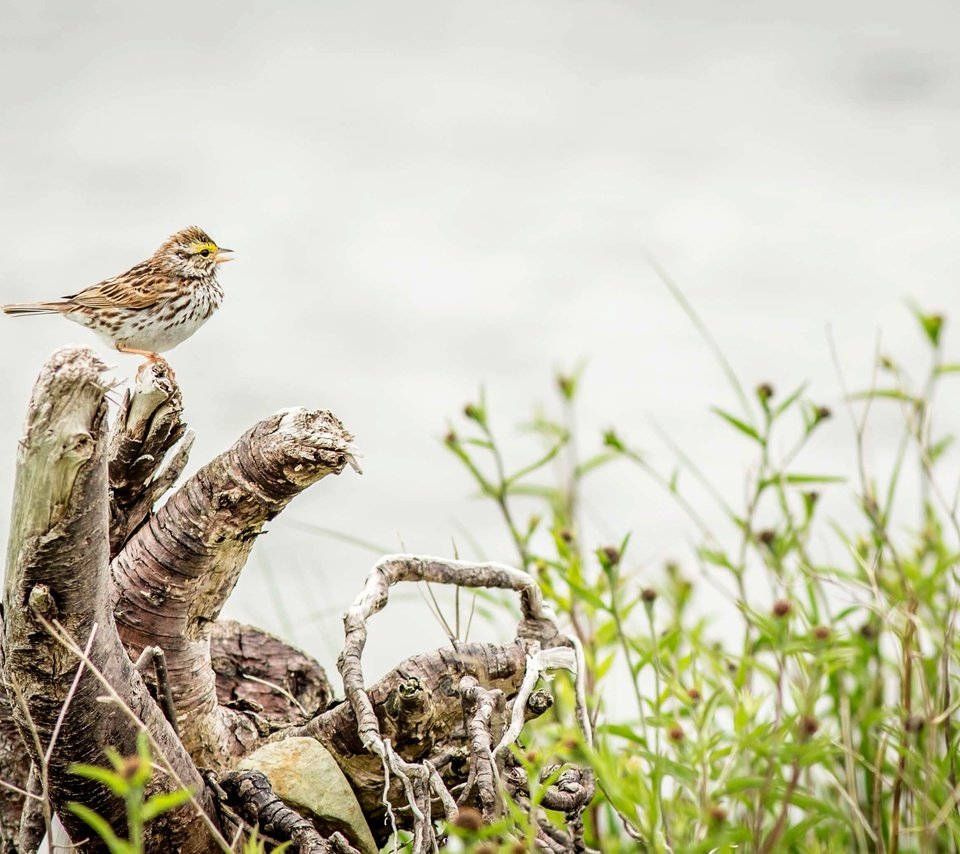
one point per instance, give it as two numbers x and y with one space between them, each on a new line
175 573
148 428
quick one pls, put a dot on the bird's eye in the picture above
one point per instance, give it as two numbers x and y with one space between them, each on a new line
204 252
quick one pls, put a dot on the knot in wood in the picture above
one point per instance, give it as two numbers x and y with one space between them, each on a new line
42 602
408 700
572 792
78 446
542 630
539 702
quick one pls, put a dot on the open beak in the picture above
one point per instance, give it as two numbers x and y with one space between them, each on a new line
224 255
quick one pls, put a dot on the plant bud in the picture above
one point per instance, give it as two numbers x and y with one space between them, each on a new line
611 554
717 813
914 723
468 819
782 608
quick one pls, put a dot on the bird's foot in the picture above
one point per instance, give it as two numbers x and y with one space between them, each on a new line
152 359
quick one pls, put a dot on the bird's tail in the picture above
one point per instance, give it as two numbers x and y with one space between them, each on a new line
35 308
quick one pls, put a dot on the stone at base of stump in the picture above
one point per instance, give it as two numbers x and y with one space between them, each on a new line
307 778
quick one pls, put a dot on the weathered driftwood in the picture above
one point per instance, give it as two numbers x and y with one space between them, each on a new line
58 574
95 575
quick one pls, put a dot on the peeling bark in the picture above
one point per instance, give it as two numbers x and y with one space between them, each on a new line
147 428
259 672
58 574
175 573
92 563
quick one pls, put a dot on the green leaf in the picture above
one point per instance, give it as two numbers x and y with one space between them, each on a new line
931 324
595 462
741 784
144 770
948 368
885 394
623 731
739 424
535 465
102 828
717 558
587 595
534 490
785 405
114 757
113 781
164 802
544 427
801 479
937 449
602 667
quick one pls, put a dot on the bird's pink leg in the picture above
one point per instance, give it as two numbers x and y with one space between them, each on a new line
149 356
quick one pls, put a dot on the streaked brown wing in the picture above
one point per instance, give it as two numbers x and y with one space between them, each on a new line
136 288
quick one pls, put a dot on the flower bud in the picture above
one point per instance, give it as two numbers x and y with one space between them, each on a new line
764 392
468 818
782 608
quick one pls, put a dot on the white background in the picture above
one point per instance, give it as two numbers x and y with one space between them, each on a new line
429 197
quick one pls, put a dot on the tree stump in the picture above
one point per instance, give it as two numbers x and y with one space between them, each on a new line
111 629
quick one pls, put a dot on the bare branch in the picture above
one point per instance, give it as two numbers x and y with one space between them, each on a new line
175 573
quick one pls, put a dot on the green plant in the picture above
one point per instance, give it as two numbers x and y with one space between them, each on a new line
825 718
127 779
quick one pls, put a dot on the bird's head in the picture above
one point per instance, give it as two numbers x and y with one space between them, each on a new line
192 253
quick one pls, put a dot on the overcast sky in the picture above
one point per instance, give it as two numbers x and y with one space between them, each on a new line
427 197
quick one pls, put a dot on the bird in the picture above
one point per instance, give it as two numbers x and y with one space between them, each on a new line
155 305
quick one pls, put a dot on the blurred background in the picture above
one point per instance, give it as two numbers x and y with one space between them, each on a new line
430 197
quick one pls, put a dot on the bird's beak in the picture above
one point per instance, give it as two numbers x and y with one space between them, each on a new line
224 255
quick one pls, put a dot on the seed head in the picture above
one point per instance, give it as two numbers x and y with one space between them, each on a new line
611 554
468 819
717 813
767 536
782 608
914 723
